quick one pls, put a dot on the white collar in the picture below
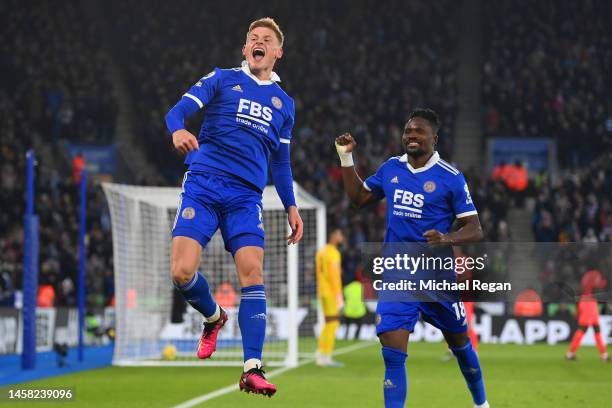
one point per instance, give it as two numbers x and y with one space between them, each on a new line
273 78
435 157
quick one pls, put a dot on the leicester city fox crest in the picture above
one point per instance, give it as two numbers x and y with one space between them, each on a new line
188 213
429 186
276 102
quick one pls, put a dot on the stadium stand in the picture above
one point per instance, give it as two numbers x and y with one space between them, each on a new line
54 88
547 73
355 71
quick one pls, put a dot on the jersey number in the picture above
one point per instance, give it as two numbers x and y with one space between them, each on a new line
459 310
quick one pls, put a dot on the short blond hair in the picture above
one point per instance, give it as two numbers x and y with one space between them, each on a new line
268 22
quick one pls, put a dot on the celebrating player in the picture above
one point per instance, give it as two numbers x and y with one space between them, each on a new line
248 124
433 193
329 290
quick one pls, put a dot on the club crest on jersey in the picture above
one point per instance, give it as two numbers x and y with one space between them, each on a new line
395 180
188 213
276 102
429 186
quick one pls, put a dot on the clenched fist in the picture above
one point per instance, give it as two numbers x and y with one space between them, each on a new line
184 141
345 143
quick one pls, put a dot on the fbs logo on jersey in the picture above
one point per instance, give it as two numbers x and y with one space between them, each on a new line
395 180
253 110
237 88
188 213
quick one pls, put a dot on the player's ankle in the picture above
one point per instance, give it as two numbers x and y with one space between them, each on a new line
252 363
215 316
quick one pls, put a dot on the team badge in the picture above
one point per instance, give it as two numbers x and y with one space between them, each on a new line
378 319
188 213
468 199
277 102
429 186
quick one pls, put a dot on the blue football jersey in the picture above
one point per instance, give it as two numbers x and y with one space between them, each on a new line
430 197
246 119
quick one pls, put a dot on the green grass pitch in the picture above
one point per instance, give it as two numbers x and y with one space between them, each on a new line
516 376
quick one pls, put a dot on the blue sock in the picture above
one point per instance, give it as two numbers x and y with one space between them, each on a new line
197 294
252 320
470 367
396 381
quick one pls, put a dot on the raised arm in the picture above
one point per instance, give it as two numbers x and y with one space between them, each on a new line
353 184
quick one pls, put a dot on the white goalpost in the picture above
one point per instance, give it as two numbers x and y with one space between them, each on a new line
149 316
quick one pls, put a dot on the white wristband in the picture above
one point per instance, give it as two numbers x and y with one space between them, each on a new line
346 158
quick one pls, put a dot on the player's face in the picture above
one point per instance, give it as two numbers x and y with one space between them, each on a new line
261 49
338 237
419 138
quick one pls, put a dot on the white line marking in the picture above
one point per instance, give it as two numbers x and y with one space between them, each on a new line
234 387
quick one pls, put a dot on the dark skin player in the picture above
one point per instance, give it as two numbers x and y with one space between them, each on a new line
419 140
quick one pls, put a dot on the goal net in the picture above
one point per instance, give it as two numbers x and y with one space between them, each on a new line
153 324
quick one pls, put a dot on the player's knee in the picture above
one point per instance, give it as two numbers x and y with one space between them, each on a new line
251 275
182 272
456 339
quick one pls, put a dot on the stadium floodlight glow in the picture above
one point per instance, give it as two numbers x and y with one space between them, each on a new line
142 218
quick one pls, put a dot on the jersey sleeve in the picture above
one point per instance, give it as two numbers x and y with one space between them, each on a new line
280 167
193 100
205 89
461 198
374 184
285 132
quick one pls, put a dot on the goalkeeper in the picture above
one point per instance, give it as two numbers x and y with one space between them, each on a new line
329 290
248 125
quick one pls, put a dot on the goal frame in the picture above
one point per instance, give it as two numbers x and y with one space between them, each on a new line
168 198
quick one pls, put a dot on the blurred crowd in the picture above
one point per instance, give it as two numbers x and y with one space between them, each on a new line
54 87
547 72
576 207
350 65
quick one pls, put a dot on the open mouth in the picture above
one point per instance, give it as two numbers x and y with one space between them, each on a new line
258 54
413 145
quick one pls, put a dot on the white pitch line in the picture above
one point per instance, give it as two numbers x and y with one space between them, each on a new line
234 387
